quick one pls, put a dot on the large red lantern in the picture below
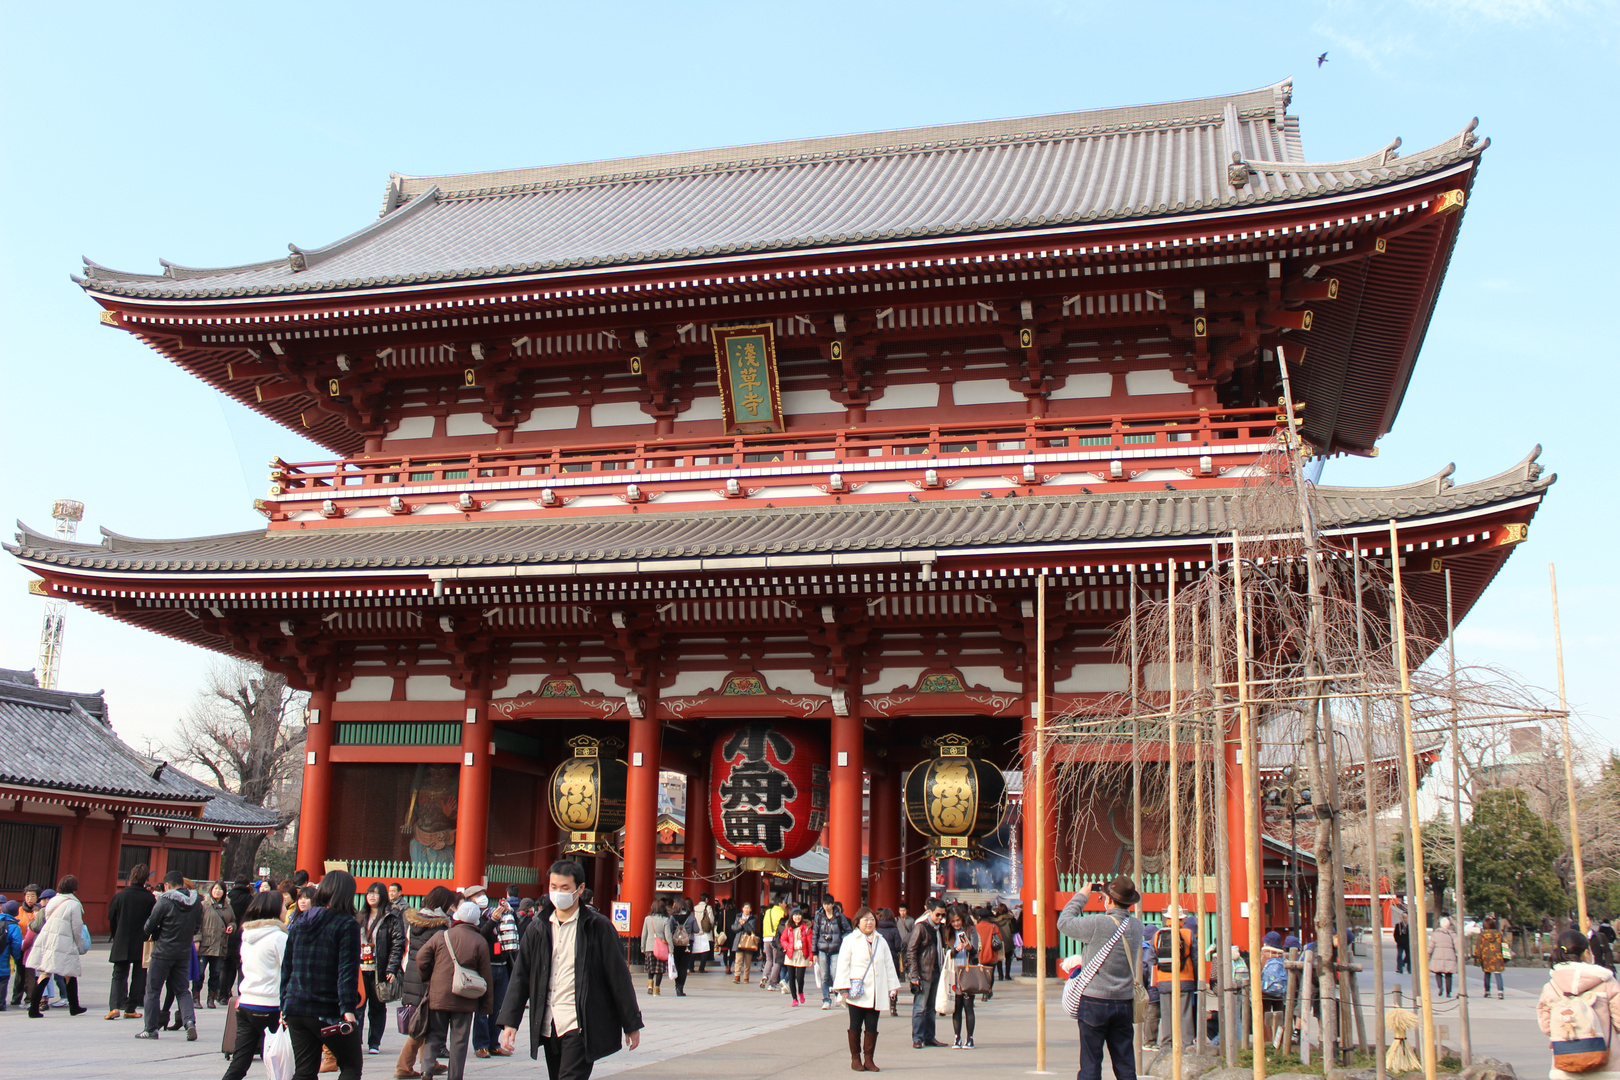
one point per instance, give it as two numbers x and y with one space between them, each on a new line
768 792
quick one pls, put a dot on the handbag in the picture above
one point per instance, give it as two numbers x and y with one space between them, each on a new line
973 979
748 943
84 940
660 948
403 1019
857 987
389 990
464 982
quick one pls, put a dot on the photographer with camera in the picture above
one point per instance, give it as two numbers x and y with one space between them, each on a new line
1112 943
320 981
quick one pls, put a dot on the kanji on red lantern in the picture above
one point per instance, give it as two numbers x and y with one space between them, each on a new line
768 789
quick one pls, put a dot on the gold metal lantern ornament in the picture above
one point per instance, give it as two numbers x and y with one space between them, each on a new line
587 795
955 799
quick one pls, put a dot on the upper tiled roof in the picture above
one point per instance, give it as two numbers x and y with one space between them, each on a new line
939 525
223 808
951 180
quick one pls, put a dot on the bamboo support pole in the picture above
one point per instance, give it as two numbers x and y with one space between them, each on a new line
1414 839
1251 823
1569 763
1467 1046
1039 786
1370 800
1227 1007
1173 805
1138 1037
1201 961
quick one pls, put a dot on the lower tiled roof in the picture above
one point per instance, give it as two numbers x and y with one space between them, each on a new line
937 525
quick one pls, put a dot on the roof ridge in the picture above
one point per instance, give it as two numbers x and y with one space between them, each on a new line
829 147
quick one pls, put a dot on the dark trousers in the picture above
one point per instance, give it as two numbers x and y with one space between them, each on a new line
214 975
566 1058
795 981
307 1043
172 974
23 986
486 1034
922 1011
128 986
1403 958
1106 1023
1442 982
251 1026
447 1037
683 964
376 1016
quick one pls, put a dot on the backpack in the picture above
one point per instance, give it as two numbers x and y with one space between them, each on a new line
1274 978
1162 944
1584 1046
682 936
706 924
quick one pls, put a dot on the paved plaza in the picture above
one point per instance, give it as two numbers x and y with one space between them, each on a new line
720 1031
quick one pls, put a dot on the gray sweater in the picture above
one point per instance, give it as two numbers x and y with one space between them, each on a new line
1113 980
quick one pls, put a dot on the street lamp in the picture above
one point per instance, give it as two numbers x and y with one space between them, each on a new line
1292 791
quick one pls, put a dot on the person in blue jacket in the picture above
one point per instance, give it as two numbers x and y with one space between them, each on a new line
10 947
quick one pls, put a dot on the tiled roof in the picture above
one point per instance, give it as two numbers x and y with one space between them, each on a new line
223 808
951 180
937 525
49 740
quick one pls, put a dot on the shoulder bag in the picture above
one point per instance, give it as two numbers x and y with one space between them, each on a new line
1075 988
748 943
464 982
857 987
973 979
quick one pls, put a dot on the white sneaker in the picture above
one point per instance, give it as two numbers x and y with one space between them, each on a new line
826 1005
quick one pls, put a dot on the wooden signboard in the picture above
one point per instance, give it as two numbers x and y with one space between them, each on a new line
750 398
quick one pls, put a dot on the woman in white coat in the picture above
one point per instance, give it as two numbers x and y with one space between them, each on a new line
864 977
57 946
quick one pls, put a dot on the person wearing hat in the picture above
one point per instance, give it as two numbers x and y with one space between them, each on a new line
1107 1001
1176 958
450 1015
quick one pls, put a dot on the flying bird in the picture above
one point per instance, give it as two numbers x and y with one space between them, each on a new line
1320 60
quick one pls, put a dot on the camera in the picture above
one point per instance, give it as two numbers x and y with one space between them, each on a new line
342 1027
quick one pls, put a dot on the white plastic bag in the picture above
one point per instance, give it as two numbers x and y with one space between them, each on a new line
278 1055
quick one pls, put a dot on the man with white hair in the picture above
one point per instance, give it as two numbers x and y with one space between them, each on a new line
450 1013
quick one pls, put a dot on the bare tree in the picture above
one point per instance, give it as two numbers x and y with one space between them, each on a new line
245 729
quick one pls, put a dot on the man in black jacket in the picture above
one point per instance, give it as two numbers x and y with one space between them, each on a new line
827 929
924 959
571 966
171 926
126 919
239 897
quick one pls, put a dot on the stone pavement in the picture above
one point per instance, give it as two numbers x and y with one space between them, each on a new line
720 1031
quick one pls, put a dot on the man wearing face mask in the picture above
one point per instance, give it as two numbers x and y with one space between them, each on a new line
571 965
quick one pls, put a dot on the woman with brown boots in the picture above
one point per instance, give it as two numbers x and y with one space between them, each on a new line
864 977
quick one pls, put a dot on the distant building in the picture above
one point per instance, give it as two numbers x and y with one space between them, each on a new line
75 799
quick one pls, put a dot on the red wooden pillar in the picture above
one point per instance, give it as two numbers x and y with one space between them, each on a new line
1237 867
315 808
698 861
543 834
115 854
73 850
844 807
472 796
884 874
1040 842
641 812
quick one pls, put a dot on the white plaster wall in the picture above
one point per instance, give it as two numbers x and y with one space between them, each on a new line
907 396
467 423
618 414
432 688
894 678
989 676
1093 677
705 408
1091 384
690 683
1157 676
412 427
984 392
1160 381
551 418
368 688
808 402
793 681
600 682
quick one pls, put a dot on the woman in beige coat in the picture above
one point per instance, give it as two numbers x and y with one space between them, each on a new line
56 951
1443 957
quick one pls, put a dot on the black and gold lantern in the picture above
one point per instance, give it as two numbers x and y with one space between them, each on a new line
955 799
587 795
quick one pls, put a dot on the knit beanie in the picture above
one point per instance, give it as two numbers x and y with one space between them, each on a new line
467 912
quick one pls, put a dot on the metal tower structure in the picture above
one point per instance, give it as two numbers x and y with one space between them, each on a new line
68 514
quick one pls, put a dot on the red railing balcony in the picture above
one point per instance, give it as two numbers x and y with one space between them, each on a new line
1197 445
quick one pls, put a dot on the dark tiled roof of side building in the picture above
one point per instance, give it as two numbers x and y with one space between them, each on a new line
51 740
952 180
937 525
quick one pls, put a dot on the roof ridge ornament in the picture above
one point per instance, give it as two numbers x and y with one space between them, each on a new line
1237 173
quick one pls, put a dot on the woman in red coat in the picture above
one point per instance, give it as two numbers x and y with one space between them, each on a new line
798 953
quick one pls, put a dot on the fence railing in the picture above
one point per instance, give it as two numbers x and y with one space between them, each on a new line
790 454
397 733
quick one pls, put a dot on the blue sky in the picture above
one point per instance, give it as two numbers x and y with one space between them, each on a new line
213 134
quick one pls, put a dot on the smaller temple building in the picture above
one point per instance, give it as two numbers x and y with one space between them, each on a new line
76 799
